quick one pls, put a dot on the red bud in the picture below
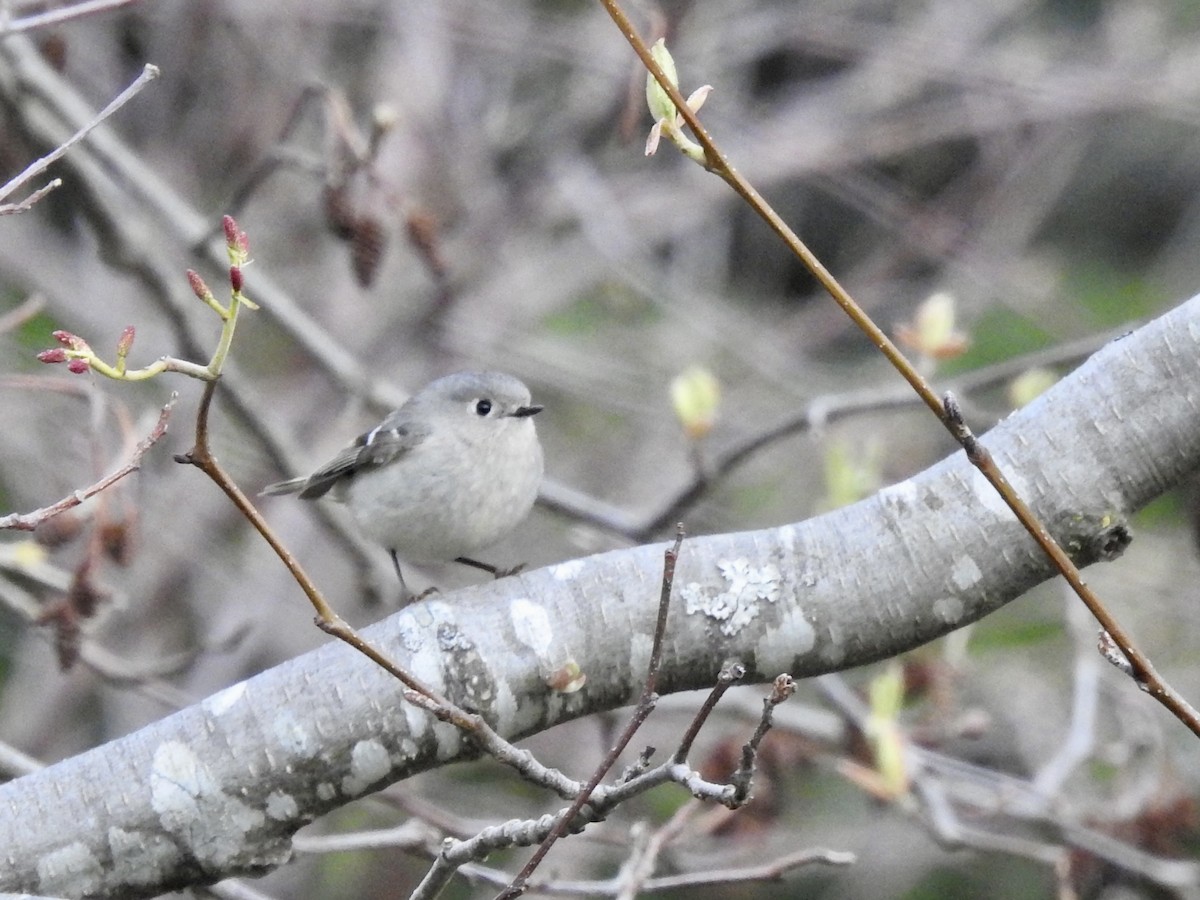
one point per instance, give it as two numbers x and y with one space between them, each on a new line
69 340
199 288
125 341
55 355
235 238
235 278
78 366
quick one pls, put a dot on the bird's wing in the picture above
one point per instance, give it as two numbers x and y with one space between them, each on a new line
377 447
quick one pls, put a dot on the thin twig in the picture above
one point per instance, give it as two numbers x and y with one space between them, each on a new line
825 410
1140 668
31 520
645 706
9 209
820 411
771 871
119 172
453 855
783 688
58 16
149 73
327 619
640 867
716 162
415 835
732 671
22 312
14 763
943 784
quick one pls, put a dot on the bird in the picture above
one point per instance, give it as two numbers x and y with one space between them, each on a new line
450 472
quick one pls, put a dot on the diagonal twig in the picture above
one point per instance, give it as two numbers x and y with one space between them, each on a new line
149 73
645 706
29 521
716 162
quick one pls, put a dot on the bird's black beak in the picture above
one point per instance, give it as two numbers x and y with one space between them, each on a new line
522 412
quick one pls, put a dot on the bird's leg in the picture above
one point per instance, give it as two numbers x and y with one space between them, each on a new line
399 574
407 596
494 571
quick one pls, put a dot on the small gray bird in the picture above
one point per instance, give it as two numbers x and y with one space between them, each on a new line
449 473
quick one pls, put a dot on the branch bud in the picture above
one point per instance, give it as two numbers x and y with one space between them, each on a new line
235 240
657 99
67 339
932 331
567 679
668 121
695 394
125 342
199 288
54 355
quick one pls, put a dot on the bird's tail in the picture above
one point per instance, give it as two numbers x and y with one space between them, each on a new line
291 486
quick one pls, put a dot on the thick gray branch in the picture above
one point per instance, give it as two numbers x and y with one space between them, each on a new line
218 788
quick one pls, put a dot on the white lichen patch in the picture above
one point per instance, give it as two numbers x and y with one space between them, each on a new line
949 609
786 536
71 870
747 588
222 701
178 781
833 649
191 805
640 648
531 625
282 806
426 664
779 646
420 626
965 573
533 629
369 764
417 720
567 571
326 791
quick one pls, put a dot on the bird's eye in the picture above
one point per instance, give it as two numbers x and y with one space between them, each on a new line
483 407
